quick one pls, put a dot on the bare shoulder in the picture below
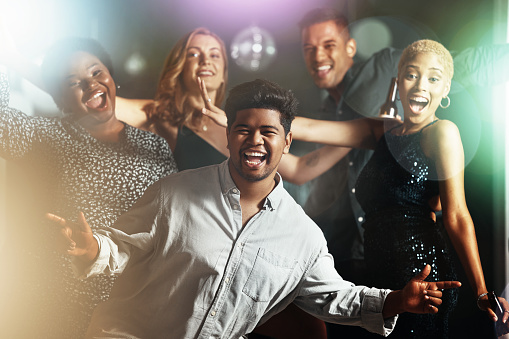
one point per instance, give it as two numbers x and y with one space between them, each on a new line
441 137
444 126
440 130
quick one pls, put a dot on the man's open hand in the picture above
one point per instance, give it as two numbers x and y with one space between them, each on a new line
76 238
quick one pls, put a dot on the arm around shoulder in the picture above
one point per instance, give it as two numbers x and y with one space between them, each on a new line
131 111
301 169
358 133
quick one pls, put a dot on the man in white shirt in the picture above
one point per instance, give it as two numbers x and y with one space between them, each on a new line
213 252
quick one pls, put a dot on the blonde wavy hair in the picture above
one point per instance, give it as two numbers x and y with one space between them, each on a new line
428 46
171 102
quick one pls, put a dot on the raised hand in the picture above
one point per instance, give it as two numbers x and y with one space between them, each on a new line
213 112
76 238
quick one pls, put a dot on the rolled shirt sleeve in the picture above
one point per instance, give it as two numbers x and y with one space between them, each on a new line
329 297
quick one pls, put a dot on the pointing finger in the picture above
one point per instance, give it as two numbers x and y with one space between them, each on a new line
447 284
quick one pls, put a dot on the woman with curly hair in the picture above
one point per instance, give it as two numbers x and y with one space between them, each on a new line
194 79
198 58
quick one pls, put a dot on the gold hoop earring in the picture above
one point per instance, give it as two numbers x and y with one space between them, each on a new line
448 102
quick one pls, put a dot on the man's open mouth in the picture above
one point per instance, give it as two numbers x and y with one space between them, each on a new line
254 158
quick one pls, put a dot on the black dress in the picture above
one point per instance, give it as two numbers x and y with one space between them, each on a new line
192 151
400 237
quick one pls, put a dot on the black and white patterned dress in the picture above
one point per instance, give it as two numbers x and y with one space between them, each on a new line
81 173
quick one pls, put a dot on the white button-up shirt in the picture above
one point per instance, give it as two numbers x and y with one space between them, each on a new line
190 270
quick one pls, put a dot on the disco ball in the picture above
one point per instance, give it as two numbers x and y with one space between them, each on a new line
253 49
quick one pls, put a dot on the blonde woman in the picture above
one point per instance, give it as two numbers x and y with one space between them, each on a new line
194 78
413 162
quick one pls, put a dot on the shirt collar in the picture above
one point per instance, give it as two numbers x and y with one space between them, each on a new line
274 198
225 177
227 184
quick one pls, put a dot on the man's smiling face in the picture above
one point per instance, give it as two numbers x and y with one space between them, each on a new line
328 52
257 142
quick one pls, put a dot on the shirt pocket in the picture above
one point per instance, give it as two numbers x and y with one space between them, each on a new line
270 274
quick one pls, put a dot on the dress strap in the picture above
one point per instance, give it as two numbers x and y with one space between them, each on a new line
394 127
431 123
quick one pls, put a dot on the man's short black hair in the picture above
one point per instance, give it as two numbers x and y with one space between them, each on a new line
265 94
323 14
59 55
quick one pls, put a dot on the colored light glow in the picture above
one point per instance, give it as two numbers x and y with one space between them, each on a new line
371 35
224 15
31 24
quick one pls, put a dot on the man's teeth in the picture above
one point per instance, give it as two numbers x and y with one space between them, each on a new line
253 162
324 68
254 158
255 154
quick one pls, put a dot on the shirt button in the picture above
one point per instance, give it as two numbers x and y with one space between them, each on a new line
213 313
353 190
350 163
227 280
361 219
235 191
235 207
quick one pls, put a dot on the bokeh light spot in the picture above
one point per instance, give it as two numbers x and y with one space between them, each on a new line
371 35
253 49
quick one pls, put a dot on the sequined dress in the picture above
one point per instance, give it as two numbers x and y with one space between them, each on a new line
400 237
101 179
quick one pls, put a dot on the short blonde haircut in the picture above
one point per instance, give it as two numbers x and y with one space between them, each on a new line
428 46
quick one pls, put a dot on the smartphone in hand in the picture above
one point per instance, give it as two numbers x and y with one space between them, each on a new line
500 327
